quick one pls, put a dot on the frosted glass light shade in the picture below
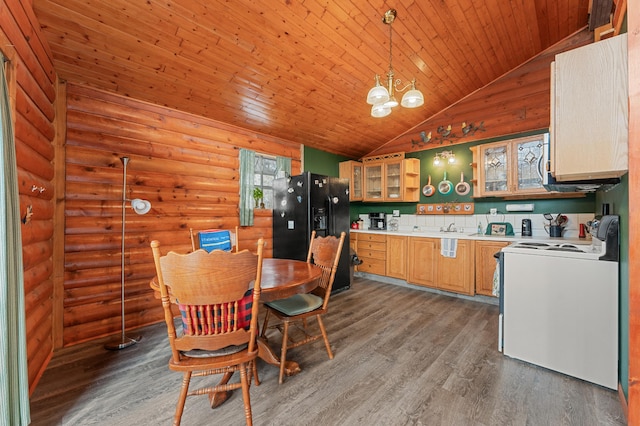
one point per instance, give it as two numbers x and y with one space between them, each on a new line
380 110
391 103
412 99
377 94
140 206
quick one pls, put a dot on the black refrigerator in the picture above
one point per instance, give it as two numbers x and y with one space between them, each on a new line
310 202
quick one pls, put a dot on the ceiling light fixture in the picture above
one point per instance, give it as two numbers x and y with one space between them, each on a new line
382 98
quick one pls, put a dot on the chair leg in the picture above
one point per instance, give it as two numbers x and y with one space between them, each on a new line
324 336
254 368
265 324
184 390
246 398
283 351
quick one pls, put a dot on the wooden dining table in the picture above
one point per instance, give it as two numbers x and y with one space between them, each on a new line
281 278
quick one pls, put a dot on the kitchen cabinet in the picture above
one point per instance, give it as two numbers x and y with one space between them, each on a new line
485 264
372 251
422 261
353 241
396 261
427 267
374 181
508 168
391 178
457 274
589 111
352 170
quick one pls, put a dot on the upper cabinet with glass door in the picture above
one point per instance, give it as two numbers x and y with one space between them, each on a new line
374 181
511 167
352 170
391 178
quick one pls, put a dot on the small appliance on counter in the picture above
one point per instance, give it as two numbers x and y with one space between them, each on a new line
499 228
526 228
378 221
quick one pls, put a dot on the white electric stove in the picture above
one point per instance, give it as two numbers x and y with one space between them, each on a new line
559 305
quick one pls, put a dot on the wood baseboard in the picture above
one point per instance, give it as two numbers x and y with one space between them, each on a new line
623 402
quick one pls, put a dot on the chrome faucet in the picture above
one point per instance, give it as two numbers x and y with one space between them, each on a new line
449 227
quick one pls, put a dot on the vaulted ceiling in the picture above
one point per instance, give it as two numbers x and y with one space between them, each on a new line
299 69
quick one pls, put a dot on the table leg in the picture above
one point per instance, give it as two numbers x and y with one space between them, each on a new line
265 353
217 398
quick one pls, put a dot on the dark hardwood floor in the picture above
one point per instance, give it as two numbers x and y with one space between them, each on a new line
402 357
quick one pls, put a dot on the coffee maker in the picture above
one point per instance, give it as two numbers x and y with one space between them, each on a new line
526 228
378 221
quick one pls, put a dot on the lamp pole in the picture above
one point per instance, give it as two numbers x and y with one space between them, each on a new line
124 341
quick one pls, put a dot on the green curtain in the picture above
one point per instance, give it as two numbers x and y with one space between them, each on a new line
283 167
14 381
247 167
247 175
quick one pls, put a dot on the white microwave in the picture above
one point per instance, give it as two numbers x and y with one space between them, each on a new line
551 184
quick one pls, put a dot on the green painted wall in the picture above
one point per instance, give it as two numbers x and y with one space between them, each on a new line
618 199
320 162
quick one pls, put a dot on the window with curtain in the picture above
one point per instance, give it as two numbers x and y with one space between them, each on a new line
14 381
259 171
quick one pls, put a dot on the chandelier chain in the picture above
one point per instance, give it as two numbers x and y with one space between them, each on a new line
390 46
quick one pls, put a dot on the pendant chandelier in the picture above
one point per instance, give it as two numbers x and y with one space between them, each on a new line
382 98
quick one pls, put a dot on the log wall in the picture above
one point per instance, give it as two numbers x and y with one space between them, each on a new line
32 86
186 166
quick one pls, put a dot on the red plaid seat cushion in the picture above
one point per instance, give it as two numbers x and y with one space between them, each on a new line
211 319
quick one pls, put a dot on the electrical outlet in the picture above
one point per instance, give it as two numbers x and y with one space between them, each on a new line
396 213
493 212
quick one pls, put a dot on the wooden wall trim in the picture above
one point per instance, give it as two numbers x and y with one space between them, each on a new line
58 216
633 42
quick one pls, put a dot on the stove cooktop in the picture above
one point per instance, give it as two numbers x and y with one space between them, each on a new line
591 251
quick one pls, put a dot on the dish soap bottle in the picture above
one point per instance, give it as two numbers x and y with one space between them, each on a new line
480 229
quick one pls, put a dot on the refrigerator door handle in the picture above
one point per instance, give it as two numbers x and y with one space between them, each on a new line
331 220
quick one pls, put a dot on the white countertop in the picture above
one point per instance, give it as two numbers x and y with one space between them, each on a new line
474 236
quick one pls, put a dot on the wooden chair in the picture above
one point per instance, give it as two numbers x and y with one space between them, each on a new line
233 235
218 296
325 253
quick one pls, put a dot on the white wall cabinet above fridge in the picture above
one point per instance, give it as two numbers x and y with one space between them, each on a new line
589 111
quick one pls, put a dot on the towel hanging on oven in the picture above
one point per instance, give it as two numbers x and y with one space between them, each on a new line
499 228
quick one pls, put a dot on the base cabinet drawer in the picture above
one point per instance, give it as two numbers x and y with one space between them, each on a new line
372 267
371 254
372 251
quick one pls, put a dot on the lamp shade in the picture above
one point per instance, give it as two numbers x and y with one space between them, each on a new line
391 103
380 110
377 94
412 99
140 206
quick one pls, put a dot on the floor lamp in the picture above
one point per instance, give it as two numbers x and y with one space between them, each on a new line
140 207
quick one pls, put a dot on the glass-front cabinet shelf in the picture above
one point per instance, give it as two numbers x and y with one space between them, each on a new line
352 170
391 178
373 181
511 167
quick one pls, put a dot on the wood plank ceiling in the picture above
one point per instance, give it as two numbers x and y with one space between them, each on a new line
299 69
